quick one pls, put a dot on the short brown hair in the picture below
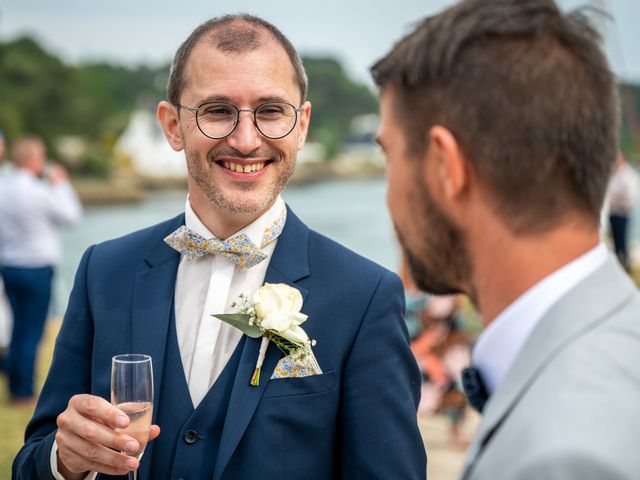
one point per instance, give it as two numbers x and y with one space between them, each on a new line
231 33
528 94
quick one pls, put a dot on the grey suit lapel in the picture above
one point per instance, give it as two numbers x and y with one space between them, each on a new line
579 311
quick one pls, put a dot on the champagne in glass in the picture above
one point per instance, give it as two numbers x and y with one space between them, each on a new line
132 392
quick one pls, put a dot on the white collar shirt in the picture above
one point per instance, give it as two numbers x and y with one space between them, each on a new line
31 210
208 285
500 343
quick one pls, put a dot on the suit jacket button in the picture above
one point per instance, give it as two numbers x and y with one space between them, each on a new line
190 436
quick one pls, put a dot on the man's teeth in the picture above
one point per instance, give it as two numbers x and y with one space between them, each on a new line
236 167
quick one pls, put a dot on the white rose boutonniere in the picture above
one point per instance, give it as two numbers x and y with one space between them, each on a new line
274 314
278 306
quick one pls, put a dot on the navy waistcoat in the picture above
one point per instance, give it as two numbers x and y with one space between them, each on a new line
189 440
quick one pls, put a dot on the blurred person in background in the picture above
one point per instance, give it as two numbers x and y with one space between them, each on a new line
443 350
35 199
499 121
624 189
415 300
5 312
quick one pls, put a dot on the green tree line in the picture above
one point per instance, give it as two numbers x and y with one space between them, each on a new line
630 134
42 95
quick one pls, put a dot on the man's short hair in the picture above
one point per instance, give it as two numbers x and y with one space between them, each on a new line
529 96
232 33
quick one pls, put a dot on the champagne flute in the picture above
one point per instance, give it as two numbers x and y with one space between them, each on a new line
132 392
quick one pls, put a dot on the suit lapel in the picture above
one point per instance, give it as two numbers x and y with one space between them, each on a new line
583 308
289 264
152 310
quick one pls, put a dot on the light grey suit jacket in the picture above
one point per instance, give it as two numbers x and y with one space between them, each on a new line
569 408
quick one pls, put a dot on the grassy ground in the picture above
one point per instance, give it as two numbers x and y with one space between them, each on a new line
13 420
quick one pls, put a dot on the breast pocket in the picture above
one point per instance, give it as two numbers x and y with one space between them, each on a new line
285 387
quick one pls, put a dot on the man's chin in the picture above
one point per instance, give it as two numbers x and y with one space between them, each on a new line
241 205
427 281
437 288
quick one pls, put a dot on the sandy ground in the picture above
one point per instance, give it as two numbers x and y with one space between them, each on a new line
445 459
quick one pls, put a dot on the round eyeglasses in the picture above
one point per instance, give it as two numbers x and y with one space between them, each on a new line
218 120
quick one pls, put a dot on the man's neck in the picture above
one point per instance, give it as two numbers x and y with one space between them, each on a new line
506 266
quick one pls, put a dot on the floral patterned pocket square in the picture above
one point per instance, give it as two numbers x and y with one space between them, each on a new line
297 366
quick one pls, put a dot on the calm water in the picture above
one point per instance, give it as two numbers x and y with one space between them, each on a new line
353 212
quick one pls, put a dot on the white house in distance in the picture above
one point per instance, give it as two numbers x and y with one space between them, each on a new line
360 147
144 144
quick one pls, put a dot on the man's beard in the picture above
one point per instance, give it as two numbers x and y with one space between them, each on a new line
217 195
438 260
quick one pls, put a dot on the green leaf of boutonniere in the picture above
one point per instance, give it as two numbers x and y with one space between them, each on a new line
240 321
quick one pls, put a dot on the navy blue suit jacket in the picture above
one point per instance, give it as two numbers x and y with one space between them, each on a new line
356 420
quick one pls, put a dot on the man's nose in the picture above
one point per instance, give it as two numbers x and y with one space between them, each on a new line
245 138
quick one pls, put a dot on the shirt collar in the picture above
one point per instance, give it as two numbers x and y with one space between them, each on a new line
499 344
255 230
22 172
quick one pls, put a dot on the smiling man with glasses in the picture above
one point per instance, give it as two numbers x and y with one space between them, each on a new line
237 107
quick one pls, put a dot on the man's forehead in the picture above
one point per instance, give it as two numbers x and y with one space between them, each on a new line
268 64
270 56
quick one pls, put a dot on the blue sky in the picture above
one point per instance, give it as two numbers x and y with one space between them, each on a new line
357 31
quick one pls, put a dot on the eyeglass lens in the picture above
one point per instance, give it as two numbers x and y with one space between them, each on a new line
273 120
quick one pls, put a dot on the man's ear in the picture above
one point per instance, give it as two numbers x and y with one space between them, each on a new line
451 168
167 115
303 121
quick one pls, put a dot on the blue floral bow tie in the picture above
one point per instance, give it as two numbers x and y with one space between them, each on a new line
239 249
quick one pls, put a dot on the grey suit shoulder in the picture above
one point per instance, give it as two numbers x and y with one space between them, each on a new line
569 408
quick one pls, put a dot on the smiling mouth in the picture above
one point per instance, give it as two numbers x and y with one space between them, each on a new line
243 167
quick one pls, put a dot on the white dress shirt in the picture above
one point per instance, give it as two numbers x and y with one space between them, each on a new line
204 286
5 168
499 344
31 210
